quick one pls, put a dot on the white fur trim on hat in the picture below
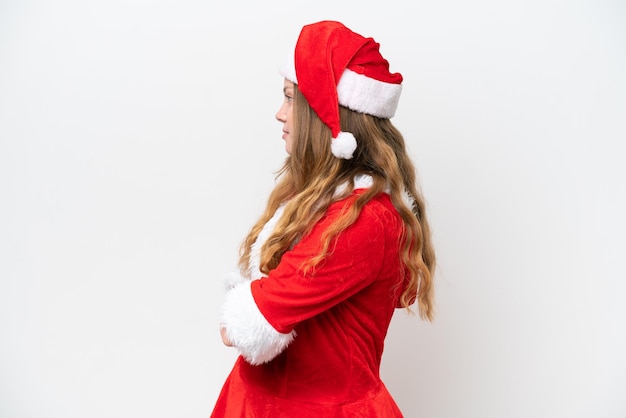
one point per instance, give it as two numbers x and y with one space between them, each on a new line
358 92
367 95
343 146
248 330
288 69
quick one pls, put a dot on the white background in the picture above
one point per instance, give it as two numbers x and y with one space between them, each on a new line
138 145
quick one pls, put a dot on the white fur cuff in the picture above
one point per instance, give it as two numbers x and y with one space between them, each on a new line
248 330
233 278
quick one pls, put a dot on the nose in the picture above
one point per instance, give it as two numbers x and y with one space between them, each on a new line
281 115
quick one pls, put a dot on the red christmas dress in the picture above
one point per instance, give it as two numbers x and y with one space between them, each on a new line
311 346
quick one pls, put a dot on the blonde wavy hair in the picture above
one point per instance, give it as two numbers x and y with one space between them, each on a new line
308 181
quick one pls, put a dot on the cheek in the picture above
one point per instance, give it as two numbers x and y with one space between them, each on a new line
290 113
291 124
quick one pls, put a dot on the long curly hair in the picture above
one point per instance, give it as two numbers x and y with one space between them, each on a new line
307 185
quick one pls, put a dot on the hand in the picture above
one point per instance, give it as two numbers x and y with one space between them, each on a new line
225 339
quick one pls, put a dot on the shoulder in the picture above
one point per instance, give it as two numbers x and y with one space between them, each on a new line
378 209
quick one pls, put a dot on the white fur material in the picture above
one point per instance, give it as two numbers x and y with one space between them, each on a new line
408 200
233 278
365 181
343 145
288 69
362 181
254 271
248 330
367 95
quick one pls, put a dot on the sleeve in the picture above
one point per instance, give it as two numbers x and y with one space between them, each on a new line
260 316
248 330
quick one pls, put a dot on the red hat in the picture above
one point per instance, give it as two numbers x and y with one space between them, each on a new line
333 65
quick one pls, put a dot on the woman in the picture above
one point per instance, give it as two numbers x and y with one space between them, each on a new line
343 242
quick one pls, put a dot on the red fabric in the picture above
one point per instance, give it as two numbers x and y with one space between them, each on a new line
340 315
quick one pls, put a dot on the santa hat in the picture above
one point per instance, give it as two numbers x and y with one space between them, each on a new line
333 65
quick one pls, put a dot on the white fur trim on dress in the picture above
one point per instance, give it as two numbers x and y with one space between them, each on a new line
365 181
233 278
254 267
248 330
362 181
408 200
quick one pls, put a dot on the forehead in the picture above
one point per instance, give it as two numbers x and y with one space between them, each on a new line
287 84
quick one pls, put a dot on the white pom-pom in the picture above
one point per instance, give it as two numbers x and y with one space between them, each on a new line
343 146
